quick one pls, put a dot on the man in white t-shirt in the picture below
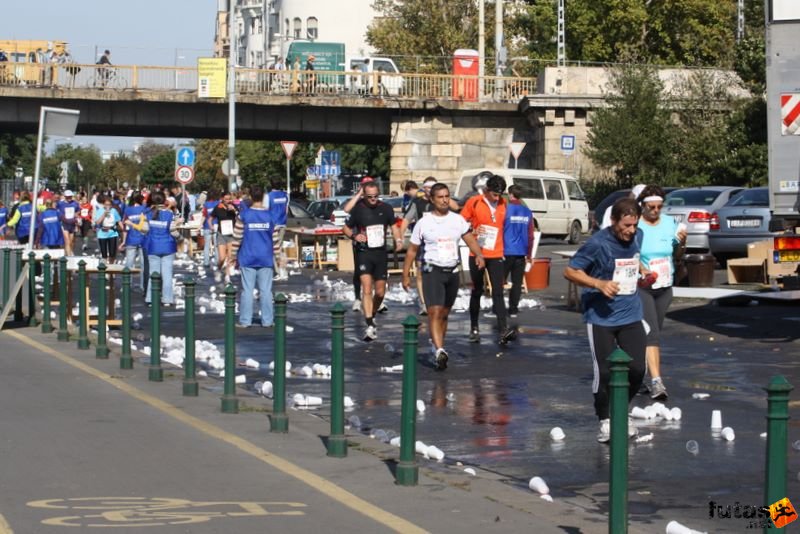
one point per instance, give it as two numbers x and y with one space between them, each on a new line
439 233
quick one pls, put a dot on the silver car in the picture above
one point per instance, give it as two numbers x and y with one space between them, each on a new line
741 221
694 207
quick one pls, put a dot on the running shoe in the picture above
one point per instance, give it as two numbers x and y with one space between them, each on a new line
217 276
490 314
474 336
357 305
509 334
423 310
383 308
604 434
371 333
440 359
657 390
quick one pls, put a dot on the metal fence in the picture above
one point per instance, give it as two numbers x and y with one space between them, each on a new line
401 86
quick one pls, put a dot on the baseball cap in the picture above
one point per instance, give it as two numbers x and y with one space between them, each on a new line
69 193
367 179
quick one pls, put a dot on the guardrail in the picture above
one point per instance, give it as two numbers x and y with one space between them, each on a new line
400 86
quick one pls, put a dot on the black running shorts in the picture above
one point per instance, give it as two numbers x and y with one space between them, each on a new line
373 262
440 287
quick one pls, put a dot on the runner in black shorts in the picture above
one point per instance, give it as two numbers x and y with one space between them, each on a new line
367 226
439 233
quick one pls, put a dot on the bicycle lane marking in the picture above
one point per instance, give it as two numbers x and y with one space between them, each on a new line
312 480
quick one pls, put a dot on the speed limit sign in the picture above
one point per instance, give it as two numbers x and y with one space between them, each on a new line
184 174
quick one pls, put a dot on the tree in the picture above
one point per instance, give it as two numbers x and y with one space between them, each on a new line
84 163
17 151
160 169
120 169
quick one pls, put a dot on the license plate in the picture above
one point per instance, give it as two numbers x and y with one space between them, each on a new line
678 218
786 255
744 223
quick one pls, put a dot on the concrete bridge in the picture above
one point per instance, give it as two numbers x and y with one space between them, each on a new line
434 124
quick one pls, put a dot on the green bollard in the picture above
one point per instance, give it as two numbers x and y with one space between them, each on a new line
47 297
279 421
83 308
125 358
618 482
18 305
156 372
190 385
777 439
102 341
32 321
63 330
230 403
337 441
6 275
407 473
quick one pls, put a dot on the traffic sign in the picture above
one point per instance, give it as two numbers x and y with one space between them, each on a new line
288 148
516 149
184 157
184 174
227 171
567 144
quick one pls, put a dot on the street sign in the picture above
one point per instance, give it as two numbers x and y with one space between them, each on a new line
567 144
313 170
288 148
184 174
516 149
226 170
184 157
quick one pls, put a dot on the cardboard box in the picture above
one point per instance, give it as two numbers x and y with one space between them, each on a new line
747 271
345 255
762 250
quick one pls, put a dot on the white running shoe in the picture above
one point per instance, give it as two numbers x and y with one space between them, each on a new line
371 333
441 359
357 305
604 434
383 308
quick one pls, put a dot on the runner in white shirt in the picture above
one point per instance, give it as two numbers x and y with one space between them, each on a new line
439 232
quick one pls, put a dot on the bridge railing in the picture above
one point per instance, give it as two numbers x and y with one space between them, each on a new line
402 86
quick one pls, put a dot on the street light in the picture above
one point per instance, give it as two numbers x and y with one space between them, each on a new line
233 186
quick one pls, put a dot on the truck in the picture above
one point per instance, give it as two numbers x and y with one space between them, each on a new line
359 74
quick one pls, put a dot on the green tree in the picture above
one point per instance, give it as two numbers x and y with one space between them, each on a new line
84 163
120 169
160 169
17 151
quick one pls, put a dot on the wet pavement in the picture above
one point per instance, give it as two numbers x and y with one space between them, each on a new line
494 406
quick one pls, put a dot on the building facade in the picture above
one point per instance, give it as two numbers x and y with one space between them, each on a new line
263 29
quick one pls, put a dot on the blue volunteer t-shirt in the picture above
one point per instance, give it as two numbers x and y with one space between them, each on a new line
515 230
596 258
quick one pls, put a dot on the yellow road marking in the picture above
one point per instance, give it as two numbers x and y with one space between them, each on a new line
5 528
320 484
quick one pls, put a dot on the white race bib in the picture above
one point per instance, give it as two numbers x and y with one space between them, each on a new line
69 213
487 237
226 227
626 274
84 212
108 222
376 236
661 266
446 251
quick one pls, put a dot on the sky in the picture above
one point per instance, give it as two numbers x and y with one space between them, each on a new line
141 32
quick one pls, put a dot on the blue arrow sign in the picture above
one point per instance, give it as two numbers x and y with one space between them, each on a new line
185 156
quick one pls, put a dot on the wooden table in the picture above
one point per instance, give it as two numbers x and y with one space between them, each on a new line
111 271
320 233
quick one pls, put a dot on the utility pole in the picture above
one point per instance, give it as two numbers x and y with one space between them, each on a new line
233 186
562 47
481 46
740 21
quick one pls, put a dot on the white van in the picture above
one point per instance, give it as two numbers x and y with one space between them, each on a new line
387 75
558 204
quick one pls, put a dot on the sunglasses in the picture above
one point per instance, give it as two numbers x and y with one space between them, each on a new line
371 196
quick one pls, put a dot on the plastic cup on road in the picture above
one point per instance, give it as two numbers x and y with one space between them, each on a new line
673 527
692 446
716 420
728 434
639 413
538 485
556 434
676 413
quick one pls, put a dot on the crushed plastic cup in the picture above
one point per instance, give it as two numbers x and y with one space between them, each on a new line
700 396
348 402
435 453
547 497
470 471
266 388
240 379
251 363
692 446
556 434
389 348
420 447
306 371
639 413
380 435
673 527
716 420
538 485
420 406
354 421
202 374
728 434
395 442
676 413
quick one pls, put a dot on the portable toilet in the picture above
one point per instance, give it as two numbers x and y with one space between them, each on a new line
465 72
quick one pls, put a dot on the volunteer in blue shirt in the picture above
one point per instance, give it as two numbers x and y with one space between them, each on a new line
3 219
252 248
134 222
21 220
107 223
68 212
608 265
659 236
517 240
48 230
209 228
161 246
278 204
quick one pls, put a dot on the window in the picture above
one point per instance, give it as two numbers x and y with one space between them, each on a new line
286 25
574 191
298 28
311 27
531 187
554 191
383 66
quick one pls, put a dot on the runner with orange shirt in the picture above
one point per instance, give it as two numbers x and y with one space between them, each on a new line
486 212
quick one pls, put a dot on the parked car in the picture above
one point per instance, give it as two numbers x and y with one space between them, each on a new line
299 217
744 219
596 215
694 206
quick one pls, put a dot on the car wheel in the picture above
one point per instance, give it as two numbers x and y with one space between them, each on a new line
574 233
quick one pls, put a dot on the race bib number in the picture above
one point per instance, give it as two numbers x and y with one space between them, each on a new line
487 236
84 212
226 227
69 213
447 251
626 274
108 222
662 267
376 236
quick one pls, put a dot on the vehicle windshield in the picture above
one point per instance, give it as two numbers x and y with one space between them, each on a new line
692 197
758 196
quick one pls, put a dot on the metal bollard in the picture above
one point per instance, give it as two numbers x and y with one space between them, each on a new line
230 403
63 310
156 372
32 320
83 308
125 358
6 275
18 305
102 341
190 386
777 439
407 473
337 441
47 297
618 481
279 421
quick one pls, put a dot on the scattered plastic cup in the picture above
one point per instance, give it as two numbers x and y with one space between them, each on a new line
716 420
692 446
420 406
676 413
556 434
538 485
673 527
728 434
639 413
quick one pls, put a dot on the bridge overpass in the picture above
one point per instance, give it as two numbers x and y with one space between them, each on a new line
434 124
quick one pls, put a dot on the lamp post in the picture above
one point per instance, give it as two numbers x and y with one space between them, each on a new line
177 57
233 186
